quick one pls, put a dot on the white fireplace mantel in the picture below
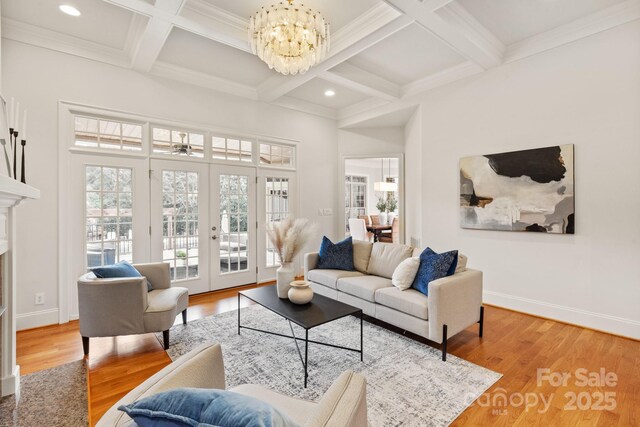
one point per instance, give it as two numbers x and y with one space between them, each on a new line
12 192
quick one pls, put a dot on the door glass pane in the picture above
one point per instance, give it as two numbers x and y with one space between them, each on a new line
108 215
180 215
276 209
234 213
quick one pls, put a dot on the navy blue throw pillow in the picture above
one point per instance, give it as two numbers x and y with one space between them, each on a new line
336 256
434 266
204 407
121 269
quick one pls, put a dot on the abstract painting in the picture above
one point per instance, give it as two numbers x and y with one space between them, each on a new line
528 190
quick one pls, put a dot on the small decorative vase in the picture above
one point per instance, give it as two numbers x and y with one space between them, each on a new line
383 218
284 276
300 292
390 217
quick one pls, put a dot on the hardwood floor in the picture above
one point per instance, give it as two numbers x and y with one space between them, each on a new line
514 344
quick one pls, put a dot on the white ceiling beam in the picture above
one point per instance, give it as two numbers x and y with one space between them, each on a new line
434 5
460 32
155 34
278 86
355 78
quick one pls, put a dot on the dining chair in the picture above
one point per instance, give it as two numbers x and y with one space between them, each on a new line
359 231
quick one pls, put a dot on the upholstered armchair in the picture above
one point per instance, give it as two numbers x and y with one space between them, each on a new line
123 306
343 404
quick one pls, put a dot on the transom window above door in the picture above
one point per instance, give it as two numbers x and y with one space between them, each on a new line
178 142
234 149
107 134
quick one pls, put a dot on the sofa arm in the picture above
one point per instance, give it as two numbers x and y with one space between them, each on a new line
202 367
343 404
454 301
310 263
157 273
110 307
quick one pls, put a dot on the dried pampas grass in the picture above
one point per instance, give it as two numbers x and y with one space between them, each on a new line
290 236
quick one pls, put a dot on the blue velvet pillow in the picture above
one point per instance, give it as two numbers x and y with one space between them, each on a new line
434 266
121 269
204 407
336 256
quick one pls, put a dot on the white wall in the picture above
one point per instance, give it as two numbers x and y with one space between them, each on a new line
413 178
585 93
40 78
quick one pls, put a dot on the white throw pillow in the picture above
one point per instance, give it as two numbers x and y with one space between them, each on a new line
405 272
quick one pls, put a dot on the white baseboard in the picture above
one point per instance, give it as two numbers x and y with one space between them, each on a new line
36 319
11 384
589 319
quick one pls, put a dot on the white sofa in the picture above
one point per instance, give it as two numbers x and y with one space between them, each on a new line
344 404
454 303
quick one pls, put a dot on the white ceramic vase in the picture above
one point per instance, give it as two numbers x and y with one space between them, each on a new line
390 217
383 218
300 292
284 276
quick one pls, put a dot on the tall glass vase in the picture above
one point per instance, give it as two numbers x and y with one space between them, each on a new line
285 274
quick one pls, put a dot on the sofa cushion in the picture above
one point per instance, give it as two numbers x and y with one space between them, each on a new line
330 278
408 301
462 263
405 273
297 409
460 267
206 407
385 258
361 255
336 256
121 269
434 266
363 287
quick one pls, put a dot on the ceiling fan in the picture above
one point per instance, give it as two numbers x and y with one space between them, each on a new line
181 147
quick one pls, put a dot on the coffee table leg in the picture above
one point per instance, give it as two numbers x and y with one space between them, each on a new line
306 353
361 347
238 313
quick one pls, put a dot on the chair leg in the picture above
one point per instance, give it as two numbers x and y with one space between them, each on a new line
85 345
184 317
444 343
165 338
481 321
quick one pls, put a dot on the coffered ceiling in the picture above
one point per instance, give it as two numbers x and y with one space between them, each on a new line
383 52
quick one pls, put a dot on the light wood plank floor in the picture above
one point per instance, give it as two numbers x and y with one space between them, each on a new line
514 344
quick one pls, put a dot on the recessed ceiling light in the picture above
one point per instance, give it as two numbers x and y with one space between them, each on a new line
329 92
69 10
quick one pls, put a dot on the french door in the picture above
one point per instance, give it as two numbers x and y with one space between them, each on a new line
180 221
233 226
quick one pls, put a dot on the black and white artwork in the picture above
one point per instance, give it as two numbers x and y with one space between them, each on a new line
528 190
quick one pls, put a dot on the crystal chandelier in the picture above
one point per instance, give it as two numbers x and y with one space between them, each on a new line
289 38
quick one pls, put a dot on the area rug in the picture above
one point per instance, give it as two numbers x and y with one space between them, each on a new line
53 397
407 382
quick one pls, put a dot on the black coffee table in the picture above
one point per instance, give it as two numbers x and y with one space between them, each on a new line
319 311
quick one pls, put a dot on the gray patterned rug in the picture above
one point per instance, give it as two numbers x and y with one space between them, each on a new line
54 397
407 382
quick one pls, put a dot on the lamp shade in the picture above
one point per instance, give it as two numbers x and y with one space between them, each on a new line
385 186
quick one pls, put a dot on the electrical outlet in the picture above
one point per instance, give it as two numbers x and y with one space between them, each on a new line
40 298
328 211
320 212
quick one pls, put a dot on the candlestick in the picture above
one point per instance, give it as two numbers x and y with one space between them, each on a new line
22 175
12 112
15 154
16 118
24 126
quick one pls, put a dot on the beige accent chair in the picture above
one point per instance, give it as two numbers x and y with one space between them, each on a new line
343 404
122 306
358 230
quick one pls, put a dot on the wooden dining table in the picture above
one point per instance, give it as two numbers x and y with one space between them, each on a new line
377 230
